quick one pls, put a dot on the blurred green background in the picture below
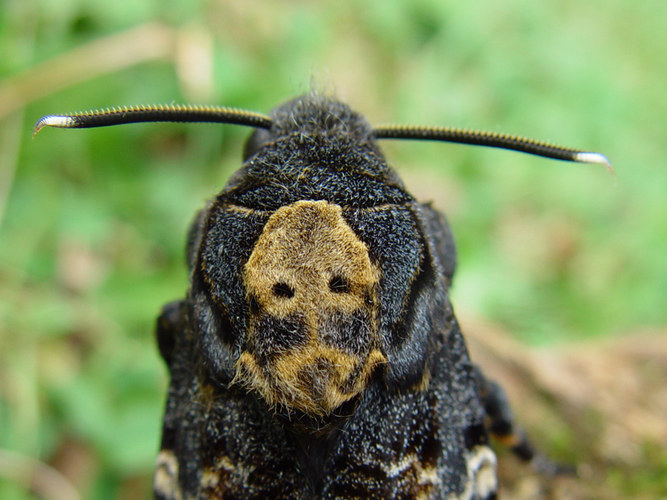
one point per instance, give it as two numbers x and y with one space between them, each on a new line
93 222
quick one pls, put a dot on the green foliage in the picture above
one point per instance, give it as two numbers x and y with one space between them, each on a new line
93 222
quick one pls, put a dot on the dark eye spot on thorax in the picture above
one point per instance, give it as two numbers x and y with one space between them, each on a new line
283 290
339 284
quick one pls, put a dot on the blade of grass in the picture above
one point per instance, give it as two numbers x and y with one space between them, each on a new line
147 42
10 140
37 476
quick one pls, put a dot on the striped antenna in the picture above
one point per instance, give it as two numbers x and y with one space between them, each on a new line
490 139
155 113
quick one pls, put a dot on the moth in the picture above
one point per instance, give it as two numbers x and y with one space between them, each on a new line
316 354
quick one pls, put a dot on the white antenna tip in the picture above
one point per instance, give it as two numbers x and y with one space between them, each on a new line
589 157
59 121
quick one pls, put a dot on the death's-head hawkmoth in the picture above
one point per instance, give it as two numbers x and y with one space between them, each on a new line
316 353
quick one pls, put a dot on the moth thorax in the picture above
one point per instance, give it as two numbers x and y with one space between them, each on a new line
312 342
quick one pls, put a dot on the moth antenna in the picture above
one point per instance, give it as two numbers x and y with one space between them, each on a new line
154 113
491 139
